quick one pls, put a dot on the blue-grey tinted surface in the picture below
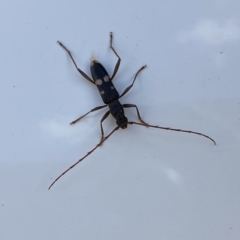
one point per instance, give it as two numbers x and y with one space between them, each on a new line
142 183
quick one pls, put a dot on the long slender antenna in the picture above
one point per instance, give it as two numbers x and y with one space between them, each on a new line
172 129
99 144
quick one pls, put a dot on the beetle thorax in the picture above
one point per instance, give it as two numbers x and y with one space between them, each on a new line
117 112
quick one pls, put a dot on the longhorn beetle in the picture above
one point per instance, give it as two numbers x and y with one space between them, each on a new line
110 97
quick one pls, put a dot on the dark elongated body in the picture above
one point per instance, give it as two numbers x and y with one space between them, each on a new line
102 80
108 93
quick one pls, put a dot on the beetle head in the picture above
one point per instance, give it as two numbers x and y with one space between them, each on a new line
122 122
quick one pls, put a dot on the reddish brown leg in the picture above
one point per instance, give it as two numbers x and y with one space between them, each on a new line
94 109
139 117
103 118
119 59
79 70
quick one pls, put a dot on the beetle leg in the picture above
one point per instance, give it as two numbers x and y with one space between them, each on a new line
119 59
79 70
130 86
94 109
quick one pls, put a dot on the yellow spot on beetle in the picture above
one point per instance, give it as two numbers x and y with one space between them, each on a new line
106 78
98 82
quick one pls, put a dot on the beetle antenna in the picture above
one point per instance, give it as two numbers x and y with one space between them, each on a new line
173 129
99 144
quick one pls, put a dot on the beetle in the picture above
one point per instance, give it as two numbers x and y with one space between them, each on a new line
110 97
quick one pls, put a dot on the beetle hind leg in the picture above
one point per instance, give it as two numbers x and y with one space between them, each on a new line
94 109
119 59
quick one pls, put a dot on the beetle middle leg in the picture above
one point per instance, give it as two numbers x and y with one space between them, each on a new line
79 70
94 109
119 59
130 86
139 117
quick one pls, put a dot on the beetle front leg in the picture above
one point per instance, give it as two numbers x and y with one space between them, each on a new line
103 118
94 109
79 70
139 117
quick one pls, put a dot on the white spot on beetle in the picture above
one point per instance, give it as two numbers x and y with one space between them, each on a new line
112 87
98 82
102 92
106 78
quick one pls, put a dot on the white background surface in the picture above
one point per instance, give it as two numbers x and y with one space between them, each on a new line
142 183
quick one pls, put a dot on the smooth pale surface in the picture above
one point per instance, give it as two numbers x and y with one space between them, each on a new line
142 183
